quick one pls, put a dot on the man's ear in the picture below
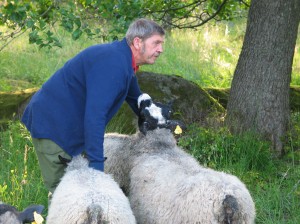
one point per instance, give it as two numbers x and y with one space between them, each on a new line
137 43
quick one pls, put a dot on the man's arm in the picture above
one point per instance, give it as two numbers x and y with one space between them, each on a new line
133 94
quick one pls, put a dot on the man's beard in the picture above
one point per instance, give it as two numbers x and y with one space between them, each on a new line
143 51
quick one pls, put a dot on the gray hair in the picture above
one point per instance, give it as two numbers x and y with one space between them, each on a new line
143 28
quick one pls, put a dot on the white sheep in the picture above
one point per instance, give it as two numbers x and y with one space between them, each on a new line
10 215
86 195
167 185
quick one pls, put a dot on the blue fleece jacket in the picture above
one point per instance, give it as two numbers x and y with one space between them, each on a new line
74 106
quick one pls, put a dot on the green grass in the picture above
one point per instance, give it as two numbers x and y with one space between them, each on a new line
20 178
32 65
273 183
207 57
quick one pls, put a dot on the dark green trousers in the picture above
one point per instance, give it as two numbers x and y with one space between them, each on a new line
52 168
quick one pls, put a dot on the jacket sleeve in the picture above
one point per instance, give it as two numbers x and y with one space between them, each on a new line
133 95
104 87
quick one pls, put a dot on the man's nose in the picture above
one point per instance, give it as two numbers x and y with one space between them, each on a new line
160 49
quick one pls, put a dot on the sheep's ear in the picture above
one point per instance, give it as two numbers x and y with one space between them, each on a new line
28 214
5 207
145 99
176 126
144 126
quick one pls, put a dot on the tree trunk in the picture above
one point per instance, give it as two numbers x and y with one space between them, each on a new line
259 96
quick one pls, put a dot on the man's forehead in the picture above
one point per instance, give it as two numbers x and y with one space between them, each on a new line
156 38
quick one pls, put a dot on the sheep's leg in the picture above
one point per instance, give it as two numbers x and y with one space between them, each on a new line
95 215
230 206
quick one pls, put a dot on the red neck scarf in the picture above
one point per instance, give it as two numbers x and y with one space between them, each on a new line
134 66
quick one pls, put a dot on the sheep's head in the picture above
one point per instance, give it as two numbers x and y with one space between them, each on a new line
9 214
156 115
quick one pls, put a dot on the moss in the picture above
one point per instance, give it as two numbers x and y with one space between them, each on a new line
191 103
10 102
14 85
295 98
222 95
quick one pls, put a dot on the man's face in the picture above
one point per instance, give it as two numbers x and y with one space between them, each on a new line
150 49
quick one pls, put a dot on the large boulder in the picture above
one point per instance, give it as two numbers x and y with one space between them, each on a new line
295 98
222 95
191 103
12 103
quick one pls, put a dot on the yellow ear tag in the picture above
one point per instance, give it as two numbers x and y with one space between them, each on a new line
178 130
38 219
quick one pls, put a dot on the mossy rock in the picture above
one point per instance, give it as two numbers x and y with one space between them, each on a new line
11 102
222 96
295 98
190 102
14 85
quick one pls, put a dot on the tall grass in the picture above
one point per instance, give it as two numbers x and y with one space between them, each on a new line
273 183
28 63
20 178
207 57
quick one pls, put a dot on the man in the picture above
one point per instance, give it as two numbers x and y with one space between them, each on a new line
68 115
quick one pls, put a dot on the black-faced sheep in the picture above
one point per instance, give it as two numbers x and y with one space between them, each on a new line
10 215
86 195
167 185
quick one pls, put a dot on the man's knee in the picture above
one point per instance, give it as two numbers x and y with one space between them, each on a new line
52 168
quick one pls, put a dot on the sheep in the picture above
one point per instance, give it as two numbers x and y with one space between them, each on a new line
86 195
9 214
167 185
154 115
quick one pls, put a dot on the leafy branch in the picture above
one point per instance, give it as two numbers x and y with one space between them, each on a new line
111 18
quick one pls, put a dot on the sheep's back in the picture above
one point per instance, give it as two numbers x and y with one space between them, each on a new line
173 188
161 192
167 185
9 217
85 192
117 150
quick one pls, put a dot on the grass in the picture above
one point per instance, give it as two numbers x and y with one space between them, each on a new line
33 66
20 178
202 56
207 57
273 183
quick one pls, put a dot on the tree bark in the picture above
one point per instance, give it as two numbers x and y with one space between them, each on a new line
259 96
